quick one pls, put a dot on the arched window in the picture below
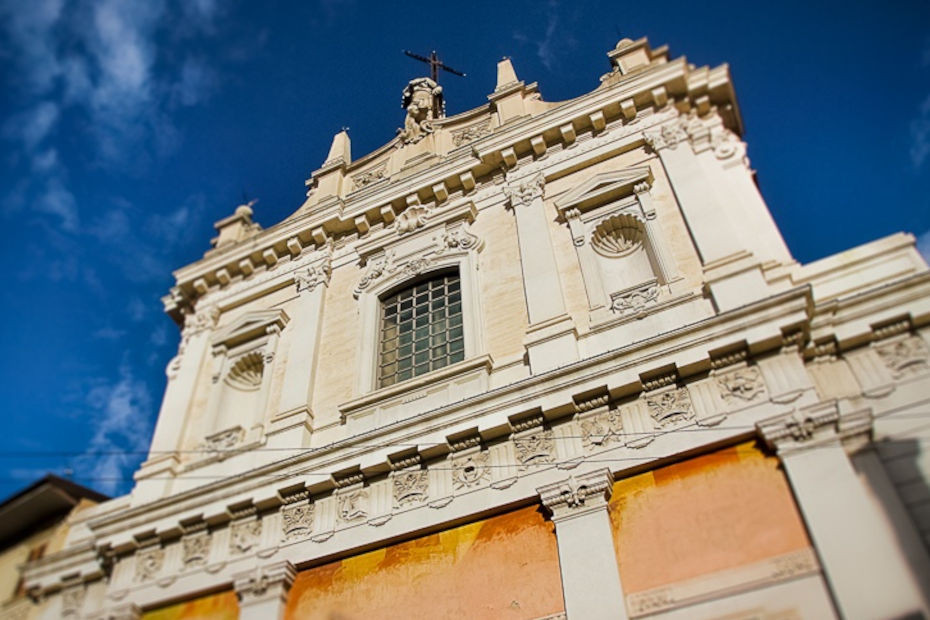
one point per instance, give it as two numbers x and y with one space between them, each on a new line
421 328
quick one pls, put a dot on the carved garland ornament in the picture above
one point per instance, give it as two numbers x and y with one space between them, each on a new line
369 176
297 520
471 133
535 449
636 301
195 550
744 384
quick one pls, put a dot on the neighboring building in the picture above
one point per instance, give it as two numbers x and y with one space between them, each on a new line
34 523
530 360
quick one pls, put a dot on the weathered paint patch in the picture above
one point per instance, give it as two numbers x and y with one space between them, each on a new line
502 567
722 510
220 606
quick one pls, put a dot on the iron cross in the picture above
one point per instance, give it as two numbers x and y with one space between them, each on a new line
434 65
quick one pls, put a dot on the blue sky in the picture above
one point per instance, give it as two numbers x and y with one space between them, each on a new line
128 128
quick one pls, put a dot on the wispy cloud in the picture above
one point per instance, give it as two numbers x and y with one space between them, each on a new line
122 410
920 134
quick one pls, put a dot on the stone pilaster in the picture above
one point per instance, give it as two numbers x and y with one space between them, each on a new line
590 575
292 423
262 592
867 573
551 338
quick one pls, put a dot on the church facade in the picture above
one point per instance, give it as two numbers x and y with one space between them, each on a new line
534 360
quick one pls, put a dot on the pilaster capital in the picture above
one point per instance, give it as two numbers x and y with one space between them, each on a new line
317 273
669 135
578 494
201 320
264 583
814 426
525 191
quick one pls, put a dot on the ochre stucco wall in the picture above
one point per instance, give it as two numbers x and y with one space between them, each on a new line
220 606
503 567
722 510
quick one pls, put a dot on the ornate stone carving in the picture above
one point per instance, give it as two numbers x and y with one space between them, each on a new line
411 487
601 429
369 176
309 278
471 133
149 562
195 550
194 323
617 236
297 520
745 384
422 98
633 302
414 217
272 581
223 441
534 449
470 471
457 238
905 358
669 135
244 536
812 425
72 600
246 372
351 505
526 190
588 490
670 408
374 270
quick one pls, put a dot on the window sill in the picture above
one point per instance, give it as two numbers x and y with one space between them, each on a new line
431 390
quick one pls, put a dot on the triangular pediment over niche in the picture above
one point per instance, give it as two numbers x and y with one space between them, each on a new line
250 326
604 187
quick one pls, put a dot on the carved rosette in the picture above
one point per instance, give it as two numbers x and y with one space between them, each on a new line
149 563
244 536
411 487
905 358
534 449
471 471
671 408
526 191
296 521
743 384
195 550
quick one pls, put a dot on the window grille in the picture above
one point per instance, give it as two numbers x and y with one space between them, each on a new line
421 329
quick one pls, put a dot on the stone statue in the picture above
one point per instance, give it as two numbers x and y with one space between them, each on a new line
422 98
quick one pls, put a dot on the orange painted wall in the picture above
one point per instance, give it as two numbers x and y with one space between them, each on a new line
503 567
221 606
718 511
